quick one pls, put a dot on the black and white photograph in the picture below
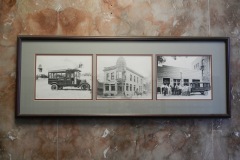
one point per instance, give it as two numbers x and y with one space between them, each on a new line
63 76
184 77
124 77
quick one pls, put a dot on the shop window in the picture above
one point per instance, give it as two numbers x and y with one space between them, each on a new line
112 87
106 87
176 82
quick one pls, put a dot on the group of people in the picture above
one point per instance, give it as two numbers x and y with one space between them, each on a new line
177 89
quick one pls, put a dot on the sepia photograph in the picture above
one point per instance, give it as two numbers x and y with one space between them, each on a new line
124 77
63 76
184 77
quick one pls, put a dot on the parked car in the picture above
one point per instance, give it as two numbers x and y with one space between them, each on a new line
202 87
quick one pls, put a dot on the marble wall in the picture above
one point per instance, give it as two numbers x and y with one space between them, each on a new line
117 138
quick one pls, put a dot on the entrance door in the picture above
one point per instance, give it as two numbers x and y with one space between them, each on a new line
120 88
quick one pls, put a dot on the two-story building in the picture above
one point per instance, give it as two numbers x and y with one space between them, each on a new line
121 80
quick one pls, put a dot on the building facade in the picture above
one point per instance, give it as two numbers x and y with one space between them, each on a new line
121 80
203 63
172 76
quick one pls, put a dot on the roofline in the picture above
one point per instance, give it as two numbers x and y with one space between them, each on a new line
64 70
135 72
109 68
114 67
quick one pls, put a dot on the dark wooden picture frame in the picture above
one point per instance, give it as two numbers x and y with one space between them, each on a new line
124 103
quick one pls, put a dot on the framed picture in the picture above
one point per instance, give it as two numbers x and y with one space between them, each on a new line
184 77
123 76
63 77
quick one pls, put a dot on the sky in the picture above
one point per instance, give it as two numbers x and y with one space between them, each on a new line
181 61
55 62
140 64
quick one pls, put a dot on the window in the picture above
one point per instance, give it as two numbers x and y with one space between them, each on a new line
134 88
166 81
176 82
60 75
107 76
127 86
119 75
130 87
54 75
134 79
130 77
68 75
112 76
112 87
141 81
106 87
50 75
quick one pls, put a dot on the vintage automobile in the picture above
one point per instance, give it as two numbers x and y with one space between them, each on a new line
202 87
67 78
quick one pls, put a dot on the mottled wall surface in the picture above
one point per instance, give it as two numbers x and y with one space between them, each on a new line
117 138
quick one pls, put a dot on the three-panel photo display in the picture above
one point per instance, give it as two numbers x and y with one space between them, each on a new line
122 77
